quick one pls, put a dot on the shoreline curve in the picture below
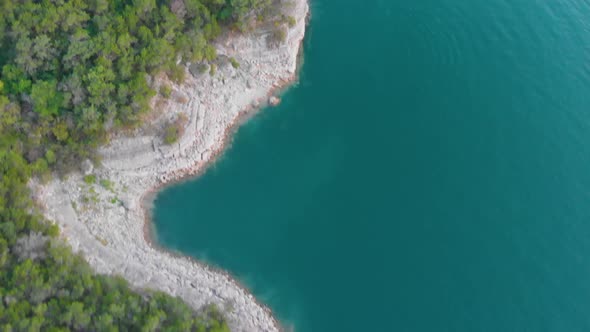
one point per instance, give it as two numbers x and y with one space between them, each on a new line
108 222
148 197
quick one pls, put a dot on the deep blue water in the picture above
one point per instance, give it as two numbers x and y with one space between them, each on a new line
430 172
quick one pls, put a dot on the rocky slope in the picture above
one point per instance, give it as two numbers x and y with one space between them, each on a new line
105 220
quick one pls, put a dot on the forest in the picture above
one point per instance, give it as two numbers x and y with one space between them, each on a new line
72 72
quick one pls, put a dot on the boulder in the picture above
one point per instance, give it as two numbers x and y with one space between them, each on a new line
274 101
198 69
86 167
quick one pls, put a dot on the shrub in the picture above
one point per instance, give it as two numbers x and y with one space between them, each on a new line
277 36
182 99
171 134
107 184
177 74
174 130
50 157
165 91
291 21
234 62
203 68
90 179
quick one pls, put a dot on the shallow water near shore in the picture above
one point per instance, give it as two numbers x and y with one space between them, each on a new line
429 172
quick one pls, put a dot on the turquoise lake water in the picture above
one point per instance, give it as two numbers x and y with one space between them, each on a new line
430 172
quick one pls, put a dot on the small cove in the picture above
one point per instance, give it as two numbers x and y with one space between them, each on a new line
430 171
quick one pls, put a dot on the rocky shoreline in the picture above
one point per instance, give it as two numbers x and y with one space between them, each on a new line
103 212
